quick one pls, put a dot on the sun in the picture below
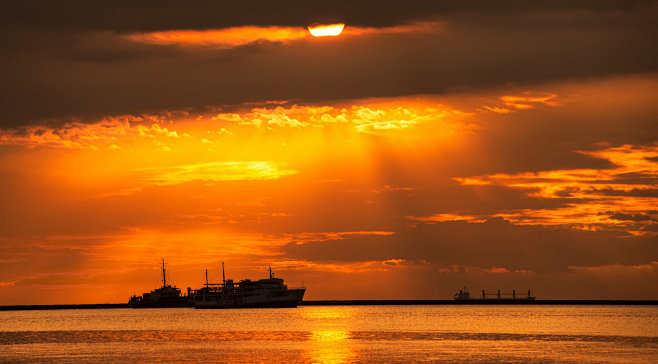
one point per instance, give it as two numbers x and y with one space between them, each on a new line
326 30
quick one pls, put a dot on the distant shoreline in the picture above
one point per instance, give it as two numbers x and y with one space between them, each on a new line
366 303
89 306
476 302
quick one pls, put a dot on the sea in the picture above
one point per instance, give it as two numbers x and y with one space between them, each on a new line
335 334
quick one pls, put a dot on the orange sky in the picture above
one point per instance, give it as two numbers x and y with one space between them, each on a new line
548 183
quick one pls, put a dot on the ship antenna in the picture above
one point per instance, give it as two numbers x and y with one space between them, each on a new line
223 276
206 277
164 277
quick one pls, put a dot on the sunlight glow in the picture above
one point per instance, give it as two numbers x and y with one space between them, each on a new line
326 30
331 346
274 182
223 38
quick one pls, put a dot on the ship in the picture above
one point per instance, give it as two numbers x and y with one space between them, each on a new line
163 297
465 296
270 292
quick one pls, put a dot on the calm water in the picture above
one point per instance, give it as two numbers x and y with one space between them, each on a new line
622 334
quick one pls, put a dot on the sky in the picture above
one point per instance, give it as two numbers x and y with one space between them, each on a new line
431 146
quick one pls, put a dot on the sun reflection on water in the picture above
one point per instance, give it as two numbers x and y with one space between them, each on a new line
330 339
328 313
330 346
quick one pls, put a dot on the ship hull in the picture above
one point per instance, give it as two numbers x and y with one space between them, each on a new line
161 304
291 300
495 301
211 305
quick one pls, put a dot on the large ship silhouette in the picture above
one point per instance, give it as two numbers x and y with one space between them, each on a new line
165 296
269 292
465 296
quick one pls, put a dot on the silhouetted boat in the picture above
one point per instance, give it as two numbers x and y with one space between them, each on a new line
465 295
270 292
165 296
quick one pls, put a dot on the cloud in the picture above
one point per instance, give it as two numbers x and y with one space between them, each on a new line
216 171
493 243
544 194
103 15
636 192
100 134
340 267
61 64
222 38
587 193
522 102
377 116
632 217
179 129
243 35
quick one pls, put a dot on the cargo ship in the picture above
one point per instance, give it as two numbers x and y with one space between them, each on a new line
269 292
465 295
165 296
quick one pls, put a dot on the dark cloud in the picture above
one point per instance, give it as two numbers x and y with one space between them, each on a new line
635 192
567 191
130 16
68 59
632 217
495 243
640 178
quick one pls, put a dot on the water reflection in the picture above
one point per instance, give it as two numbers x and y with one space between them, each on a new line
330 346
334 335
329 312
330 336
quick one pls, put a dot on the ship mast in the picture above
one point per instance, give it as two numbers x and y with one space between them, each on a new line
223 276
271 275
164 277
206 278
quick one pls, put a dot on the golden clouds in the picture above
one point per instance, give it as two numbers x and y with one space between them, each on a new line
342 267
174 131
134 157
374 118
107 133
624 196
239 36
217 171
276 140
528 101
365 189
525 101
222 38
630 161
448 217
